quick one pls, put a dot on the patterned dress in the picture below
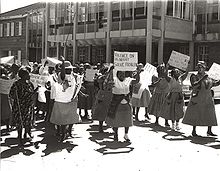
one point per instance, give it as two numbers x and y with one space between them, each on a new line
201 108
21 94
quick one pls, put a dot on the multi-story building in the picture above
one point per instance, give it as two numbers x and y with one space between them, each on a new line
22 33
92 31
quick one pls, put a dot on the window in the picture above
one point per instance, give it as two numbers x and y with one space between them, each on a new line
1 30
20 28
184 50
127 9
140 7
82 13
8 29
180 9
115 10
82 54
12 29
213 10
91 11
203 53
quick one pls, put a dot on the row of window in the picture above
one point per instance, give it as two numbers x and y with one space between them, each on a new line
8 29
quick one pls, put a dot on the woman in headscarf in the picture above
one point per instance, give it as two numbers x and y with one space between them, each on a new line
161 89
64 113
120 111
103 98
201 108
22 99
173 106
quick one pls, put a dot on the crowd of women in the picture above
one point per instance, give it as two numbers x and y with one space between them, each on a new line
113 97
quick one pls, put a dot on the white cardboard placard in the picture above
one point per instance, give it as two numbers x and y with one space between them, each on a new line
125 61
179 60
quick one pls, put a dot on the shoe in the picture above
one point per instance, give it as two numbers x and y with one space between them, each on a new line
211 134
126 138
177 126
194 134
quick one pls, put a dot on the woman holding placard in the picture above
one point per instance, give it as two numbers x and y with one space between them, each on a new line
161 89
64 113
120 111
174 102
140 95
201 108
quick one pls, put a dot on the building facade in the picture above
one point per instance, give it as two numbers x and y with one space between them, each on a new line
92 31
22 33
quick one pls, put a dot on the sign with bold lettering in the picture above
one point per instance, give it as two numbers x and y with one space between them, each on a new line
179 60
125 61
5 86
214 71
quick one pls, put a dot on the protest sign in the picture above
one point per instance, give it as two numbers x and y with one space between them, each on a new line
125 61
79 81
179 60
5 86
214 71
90 74
7 60
145 80
51 61
37 79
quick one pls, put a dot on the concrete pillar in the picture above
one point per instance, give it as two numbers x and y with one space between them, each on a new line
149 31
47 17
108 39
75 23
162 29
191 54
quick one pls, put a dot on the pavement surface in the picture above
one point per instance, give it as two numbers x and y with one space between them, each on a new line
152 148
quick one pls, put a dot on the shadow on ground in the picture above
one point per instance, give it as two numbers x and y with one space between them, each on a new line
173 135
45 132
107 143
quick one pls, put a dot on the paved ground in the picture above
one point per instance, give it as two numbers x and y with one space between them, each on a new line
151 148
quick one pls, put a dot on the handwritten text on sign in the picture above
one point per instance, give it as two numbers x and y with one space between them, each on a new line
125 61
179 60
214 71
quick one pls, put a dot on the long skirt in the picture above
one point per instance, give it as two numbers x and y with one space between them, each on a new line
143 101
201 110
101 105
64 113
123 117
5 107
156 104
172 108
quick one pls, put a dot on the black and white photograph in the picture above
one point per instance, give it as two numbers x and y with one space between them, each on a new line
123 85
